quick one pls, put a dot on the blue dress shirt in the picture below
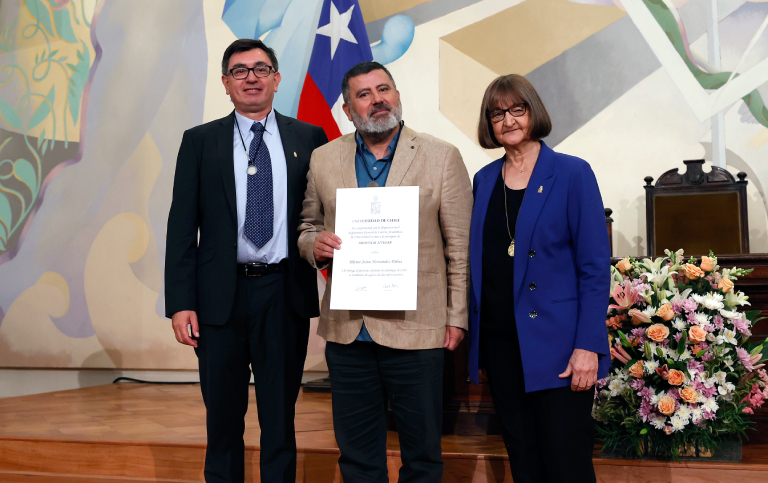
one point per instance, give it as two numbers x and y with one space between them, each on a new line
367 169
275 249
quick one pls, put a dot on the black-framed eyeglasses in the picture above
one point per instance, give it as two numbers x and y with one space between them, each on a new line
260 70
497 115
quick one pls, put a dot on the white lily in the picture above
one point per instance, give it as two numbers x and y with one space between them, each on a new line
734 299
616 277
656 273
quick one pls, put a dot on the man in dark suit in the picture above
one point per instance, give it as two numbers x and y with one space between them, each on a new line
236 288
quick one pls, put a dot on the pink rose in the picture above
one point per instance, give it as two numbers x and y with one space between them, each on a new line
707 264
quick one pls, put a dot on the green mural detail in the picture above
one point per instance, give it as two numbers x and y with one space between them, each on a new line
21 179
77 81
707 80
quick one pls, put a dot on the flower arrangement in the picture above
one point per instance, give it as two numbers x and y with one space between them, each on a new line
684 374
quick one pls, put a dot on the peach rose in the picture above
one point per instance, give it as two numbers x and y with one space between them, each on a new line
689 395
636 370
725 285
624 266
707 264
692 272
666 405
675 377
657 332
666 312
638 317
697 334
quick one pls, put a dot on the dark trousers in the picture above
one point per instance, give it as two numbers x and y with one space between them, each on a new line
365 377
265 332
549 433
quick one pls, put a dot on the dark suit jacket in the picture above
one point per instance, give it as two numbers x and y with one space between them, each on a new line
562 268
201 275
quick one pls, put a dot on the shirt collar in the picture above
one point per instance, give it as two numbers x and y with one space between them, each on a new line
364 147
246 123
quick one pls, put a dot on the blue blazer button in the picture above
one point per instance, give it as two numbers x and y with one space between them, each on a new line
533 314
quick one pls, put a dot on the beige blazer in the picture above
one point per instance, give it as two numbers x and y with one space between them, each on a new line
445 212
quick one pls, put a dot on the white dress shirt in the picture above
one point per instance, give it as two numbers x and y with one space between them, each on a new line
276 248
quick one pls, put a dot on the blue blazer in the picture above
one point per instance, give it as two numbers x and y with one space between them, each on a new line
562 268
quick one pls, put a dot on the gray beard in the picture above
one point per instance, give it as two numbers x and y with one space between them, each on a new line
378 129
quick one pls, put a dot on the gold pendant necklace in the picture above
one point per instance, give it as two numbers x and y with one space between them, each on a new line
511 249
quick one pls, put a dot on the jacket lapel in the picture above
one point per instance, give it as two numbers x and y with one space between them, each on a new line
484 189
293 167
405 153
539 187
226 160
347 160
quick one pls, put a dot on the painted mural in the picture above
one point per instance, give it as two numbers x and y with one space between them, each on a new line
95 95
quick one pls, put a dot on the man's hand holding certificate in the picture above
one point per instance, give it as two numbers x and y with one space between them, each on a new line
377 265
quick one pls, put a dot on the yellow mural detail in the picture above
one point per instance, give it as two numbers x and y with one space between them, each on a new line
759 139
28 336
461 93
122 309
521 38
51 54
377 9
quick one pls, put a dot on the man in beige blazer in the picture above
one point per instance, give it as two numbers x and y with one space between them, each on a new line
396 357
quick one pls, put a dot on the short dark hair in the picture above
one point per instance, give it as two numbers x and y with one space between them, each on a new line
360 69
503 92
245 45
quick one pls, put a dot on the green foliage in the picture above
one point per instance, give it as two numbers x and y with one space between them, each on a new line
667 21
44 109
40 12
9 115
63 23
77 81
25 172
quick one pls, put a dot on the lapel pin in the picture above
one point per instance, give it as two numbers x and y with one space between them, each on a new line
294 154
541 188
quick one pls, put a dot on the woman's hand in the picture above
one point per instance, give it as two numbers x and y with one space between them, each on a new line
582 368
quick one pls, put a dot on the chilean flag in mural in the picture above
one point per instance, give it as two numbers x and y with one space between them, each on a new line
340 42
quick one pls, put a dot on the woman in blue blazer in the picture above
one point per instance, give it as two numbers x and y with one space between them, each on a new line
540 265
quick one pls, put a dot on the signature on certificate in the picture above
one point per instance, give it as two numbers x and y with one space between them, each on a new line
388 287
361 289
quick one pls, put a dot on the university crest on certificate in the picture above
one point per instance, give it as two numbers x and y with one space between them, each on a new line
377 265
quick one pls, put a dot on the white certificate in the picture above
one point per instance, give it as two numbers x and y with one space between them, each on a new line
377 265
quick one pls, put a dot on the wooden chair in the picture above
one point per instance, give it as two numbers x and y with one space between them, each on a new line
697 211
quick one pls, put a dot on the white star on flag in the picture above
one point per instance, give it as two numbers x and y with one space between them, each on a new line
338 28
